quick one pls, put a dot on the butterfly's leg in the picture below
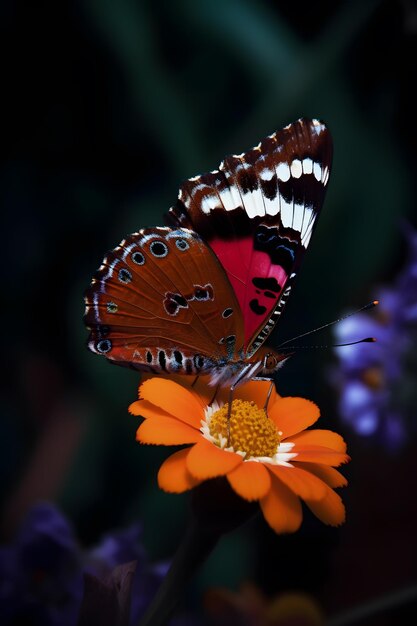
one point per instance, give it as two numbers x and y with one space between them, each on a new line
229 412
268 396
195 380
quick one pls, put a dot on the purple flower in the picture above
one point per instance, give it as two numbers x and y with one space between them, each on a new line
45 575
40 574
122 547
115 548
375 381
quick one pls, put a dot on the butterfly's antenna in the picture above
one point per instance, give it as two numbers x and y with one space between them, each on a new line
370 305
335 345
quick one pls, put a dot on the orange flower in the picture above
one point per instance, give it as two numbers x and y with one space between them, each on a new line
270 458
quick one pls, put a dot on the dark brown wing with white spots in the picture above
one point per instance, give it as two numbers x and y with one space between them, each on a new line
258 212
161 302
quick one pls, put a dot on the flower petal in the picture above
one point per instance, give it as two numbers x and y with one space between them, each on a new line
206 460
331 476
166 431
198 386
173 475
173 399
257 391
319 454
302 483
318 437
281 508
330 510
250 480
291 415
146 409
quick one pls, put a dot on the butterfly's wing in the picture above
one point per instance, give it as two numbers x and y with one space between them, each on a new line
258 212
161 302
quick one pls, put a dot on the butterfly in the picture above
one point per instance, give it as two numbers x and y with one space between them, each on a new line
201 295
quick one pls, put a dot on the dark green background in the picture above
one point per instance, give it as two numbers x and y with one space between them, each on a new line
109 106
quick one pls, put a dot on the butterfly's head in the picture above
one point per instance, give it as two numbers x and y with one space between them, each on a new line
272 361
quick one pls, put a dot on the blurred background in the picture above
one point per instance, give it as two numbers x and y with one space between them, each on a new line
108 107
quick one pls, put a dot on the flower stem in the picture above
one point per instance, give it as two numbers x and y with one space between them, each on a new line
216 510
196 546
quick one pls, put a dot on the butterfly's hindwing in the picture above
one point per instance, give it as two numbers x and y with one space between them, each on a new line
161 302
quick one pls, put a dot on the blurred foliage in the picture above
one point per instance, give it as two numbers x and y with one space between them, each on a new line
109 105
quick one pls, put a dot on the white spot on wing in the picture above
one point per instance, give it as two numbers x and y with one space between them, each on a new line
286 212
230 198
298 217
318 127
266 174
307 166
236 200
317 171
209 202
253 202
296 168
283 172
271 206
309 217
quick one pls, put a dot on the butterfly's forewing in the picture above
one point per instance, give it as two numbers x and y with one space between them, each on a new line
258 212
161 302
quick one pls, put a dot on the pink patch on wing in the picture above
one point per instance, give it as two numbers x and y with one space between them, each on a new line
243 264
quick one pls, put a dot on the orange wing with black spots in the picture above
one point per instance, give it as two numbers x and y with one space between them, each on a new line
162 302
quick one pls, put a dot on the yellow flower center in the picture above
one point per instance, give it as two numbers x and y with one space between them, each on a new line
251 431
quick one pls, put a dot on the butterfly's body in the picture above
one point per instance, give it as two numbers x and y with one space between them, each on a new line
223 371
201 296
230 373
